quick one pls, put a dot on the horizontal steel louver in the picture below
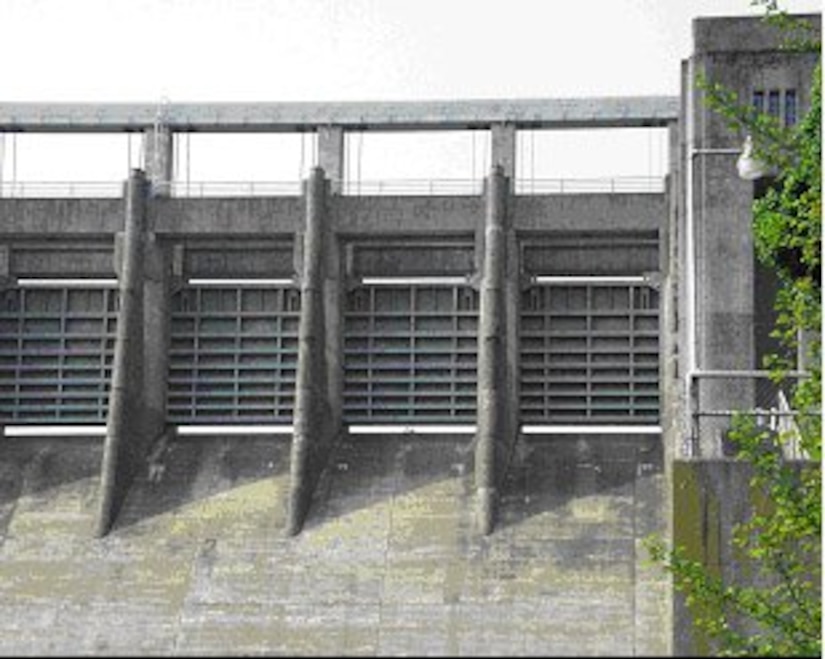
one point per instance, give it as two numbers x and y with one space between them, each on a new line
56 352
410 354
590 354
233 354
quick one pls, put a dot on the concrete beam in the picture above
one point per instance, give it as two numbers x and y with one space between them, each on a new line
597 112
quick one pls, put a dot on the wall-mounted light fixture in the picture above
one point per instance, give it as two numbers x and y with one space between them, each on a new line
748 166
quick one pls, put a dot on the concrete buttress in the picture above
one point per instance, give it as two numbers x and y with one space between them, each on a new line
313 426
492 414
124 427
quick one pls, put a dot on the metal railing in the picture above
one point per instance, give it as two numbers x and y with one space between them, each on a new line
61 189
412 187
198 189
615 185
717 396
400 187
522 186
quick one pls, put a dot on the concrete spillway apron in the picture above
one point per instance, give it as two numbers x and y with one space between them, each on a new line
309 416
491 351
123 426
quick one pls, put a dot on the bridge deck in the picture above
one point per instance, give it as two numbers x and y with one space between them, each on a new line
596 112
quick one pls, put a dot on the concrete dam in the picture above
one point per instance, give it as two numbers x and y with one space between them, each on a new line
327 420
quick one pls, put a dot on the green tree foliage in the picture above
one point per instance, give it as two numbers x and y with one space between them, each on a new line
778 612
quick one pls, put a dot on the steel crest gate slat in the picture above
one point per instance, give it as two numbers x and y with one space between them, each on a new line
233 355
410 354
590 354
56 352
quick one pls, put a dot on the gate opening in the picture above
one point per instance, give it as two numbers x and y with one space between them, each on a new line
590 355
410 349
57 339
233 355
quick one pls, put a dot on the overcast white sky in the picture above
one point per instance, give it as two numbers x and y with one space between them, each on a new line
315 50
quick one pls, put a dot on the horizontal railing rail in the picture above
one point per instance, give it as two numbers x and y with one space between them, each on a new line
378 187
751 393
231 188
612 185
61 189
423 187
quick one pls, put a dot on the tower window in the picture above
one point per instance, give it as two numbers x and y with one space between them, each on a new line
790 107
773 102
758 100
783 104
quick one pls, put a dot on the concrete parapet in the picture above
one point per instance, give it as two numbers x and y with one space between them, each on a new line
22 218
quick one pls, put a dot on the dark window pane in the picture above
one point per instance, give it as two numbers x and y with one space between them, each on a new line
773 103
758 100
790 107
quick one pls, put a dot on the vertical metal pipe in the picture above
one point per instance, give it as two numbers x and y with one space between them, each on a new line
126 383
491 351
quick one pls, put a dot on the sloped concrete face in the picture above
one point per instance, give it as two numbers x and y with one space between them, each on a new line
388 562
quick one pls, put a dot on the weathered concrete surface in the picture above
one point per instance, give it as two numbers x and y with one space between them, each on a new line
231 216
387 564
712 497
37 217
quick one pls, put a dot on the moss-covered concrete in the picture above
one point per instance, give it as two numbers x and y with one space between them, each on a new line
388 562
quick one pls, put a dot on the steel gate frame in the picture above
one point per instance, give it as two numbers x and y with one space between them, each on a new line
234 362
56 355
414 361
584 365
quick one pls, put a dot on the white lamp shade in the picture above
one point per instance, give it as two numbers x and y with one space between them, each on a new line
748 167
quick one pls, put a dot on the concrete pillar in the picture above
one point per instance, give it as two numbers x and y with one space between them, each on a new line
724 291
331 155
672 393
125 422
334 330
157 305
492 413
311 440
160 171
503 148
159 163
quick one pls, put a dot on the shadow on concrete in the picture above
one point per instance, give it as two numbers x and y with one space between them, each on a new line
194 468
366 470
547 473
32 467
